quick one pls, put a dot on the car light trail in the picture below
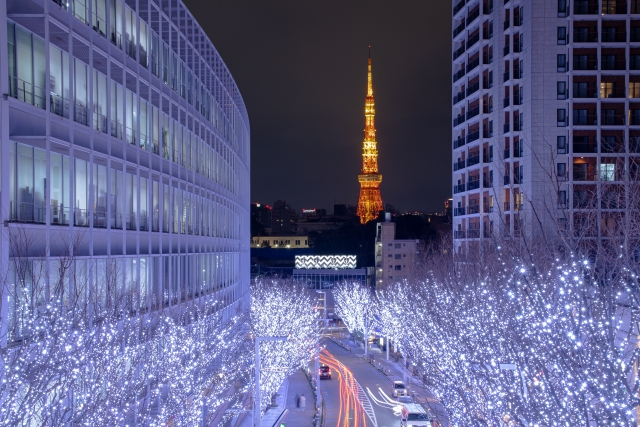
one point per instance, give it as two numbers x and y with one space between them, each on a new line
352 397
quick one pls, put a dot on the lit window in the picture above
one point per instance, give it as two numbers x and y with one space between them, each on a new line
607 171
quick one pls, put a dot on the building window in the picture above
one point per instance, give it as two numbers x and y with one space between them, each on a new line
398 256
562 8
634 89
562 171
562 63
562 144
562 117
607 172
562 199
562 90
398 267
390 255
562 35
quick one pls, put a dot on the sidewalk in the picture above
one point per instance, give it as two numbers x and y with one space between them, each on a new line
295 385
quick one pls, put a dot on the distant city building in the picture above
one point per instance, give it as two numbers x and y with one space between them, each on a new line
395 259
325 271
340 210
313 212
262 214
280 242
370 200
284 219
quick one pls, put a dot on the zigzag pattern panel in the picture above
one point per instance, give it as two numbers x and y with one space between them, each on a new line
306 262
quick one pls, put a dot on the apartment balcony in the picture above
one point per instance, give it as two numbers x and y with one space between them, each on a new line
459 234
458 7
506 50
634 117
507 153
473 185
474 111
459 142
473 233
609 120
583 92
459 165
506 128
459 28
507 206
518 47
613 64
473 136
458 75
473 160
473 15
585 119
613 36
507 24
460 188
459 52
612 7
473 209
473 64
506 102
517 151
505 76
473 40
585 36
585 7
584 146
635 34
486 208
506 180
473 88
581 64
487 184
460 211
459 119
458 97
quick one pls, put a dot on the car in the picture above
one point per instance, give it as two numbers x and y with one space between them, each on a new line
398 389
414 415
405 399
325 372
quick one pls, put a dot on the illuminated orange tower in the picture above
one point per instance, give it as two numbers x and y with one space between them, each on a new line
369 201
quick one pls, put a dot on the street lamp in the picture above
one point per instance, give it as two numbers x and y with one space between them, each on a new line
256 400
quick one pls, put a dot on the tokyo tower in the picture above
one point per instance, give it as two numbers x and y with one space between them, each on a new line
369 201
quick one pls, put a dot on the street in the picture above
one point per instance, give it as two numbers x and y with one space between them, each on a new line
341 408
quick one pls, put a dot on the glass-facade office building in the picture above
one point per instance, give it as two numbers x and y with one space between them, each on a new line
124 146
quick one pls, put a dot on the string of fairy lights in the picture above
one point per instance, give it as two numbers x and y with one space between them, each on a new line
517 344
280 308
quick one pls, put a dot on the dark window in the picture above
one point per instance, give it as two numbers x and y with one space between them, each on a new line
562 90
398 267
562 171
562 144
562 35
562 63
562 117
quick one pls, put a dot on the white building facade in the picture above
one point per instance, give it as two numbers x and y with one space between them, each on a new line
124 144
546 114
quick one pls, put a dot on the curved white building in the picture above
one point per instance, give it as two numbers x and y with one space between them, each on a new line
125 150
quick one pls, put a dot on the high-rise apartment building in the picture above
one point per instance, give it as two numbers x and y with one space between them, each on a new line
124 143
546 114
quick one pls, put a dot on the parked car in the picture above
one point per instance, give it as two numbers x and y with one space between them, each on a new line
414 415
398 389
325 372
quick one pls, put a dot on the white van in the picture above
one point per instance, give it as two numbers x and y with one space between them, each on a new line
414 415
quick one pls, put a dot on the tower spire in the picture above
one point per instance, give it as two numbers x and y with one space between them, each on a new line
370 201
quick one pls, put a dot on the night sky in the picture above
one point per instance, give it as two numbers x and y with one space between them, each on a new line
301 67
